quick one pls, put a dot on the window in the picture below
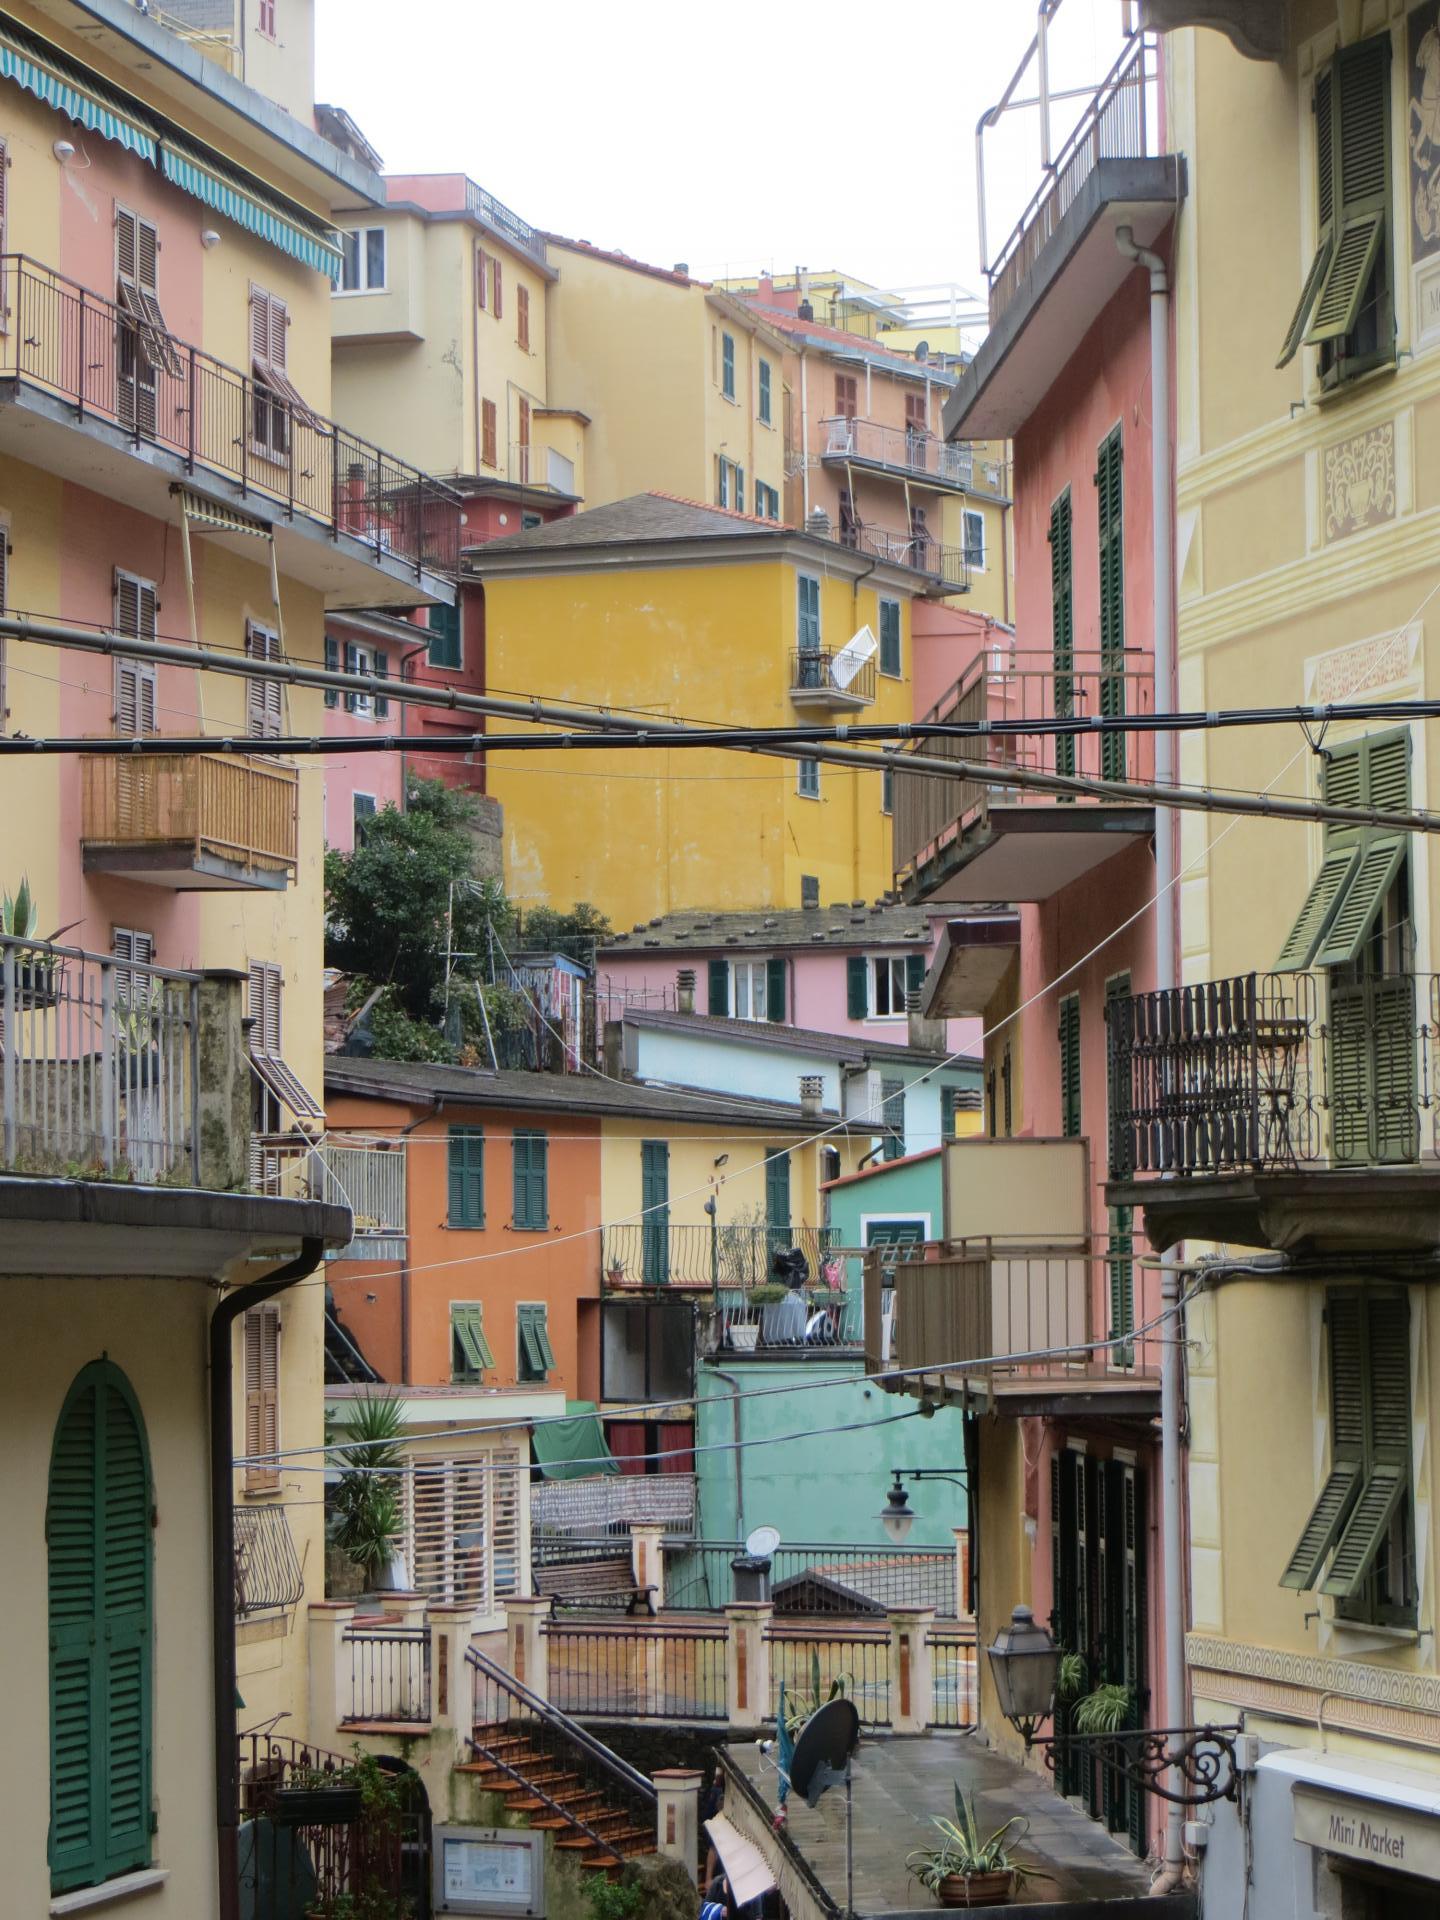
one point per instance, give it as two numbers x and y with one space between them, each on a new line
807 780
1347 306
101 1629
523 429
952 1104
365 810
536 1356
136 608
497 289
809 890
465 1175
655 1212
729 485
807 617
1069 1038
332 665
280 1090
917 425
445 647
727 365
380 668
532 1201
489 434
847 395
470 1353
143 346
892 1118
890 637
765 418
1062 627
462 1528
264 699
130 945
1109 488
266 21
357 661
1363 1521
895 977
887 790
529 522
261 1334
777 1197
522 318
1120 1267
276 405
767 501
362 261
974 536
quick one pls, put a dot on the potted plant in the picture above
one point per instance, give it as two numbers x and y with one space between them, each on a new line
768 1295
971 1869
365 1506
37 973
1106 1710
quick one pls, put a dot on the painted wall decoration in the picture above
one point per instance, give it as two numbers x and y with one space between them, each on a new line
1422 129
1360 481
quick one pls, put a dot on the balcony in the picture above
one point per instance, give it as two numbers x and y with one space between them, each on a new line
907 452
838 682
191 822
370 1180
981 841
947 567
484 206
267 1568
128 411
1291 1111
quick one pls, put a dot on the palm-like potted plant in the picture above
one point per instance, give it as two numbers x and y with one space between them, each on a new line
365 1506
969 1868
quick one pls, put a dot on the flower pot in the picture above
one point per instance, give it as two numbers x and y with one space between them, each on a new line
977 1889
336 1806
744 1337
36 984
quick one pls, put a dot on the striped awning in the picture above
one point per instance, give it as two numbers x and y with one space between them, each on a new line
46 74
285 226
209 513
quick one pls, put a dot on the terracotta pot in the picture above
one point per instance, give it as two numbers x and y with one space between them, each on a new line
977 1889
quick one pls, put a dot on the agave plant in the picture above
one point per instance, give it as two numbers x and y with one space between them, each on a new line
19 915
800 1706
966 1851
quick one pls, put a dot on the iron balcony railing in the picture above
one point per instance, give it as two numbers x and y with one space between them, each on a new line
948 565
389 1675
732 1256
832 679
370 1180
496 214
1266 1072
267 1567
812 1320
1005 683
99 1065
1117 124
62 339
637 1669
910 452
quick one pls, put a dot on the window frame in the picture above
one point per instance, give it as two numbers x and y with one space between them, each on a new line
446 666
809 624
363 283
524 1179
359 813
749 968
884 966
807 778
262 1336
727 366
764 399
891 663
533 1315
972 516
467 1136
470 1359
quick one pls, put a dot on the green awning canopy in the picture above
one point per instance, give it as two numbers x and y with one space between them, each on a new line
574 1448
31 64
286 227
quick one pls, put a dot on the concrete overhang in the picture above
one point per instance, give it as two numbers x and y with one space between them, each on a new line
973 957
113 1229
1024 852
47 432
1305 1211
1076 274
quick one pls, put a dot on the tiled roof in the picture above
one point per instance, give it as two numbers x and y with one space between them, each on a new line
626 260
643 516
848 924
846 1049
782 320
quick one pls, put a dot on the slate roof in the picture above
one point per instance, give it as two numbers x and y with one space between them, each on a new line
642 516
847 924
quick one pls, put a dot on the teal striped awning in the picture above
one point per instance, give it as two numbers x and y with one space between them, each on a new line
50 78
287 227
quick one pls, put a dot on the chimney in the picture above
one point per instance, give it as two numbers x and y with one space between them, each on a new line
685 990
818 523
805 311
682 266
812 1088
766 289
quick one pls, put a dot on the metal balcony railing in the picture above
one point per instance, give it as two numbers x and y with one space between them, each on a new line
734 1257
832 678
540 467
267 1567
233 808
1004 683
1266 1072
496 214
370 1181
62 339
949 565
908 451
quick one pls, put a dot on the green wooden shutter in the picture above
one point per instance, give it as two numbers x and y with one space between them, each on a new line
914 972
465 1167
890 637
1062 626
1360 90
536 1352
380 667
1386 1396
1121 1264
470 1350
98 1533
857 987
531 1184
719 996
1327 889
332 665
1109 484
775 989
892 1112
1069 1039
1360 863
655 1221
1322 105
777 1194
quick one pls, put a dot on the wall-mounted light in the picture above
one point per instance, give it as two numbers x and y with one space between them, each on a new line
63 150
209 238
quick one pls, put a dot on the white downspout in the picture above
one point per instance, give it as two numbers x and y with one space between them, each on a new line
1166 943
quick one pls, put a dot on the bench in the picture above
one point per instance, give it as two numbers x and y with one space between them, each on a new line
594 1584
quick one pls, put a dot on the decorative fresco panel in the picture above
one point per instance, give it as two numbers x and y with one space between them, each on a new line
1359 481
1422 129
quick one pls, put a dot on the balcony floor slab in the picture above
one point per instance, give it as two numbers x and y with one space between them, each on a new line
1026 853
182 870
1318 1210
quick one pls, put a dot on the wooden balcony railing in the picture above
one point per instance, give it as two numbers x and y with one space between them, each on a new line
230 807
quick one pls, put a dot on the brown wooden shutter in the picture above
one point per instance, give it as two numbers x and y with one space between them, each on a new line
262 1396
482 266
522 318
259 328
847 395
264 698
488 434
498 289
126 251
915 411
147 256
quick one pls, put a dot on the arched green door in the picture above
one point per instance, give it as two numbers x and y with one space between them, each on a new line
97 1530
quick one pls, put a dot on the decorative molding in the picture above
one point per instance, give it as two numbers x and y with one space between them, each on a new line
1359 483
1383 660
1393 1688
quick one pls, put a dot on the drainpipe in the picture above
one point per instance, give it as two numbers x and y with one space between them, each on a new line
222 1556
804 442
734 1386
1161 504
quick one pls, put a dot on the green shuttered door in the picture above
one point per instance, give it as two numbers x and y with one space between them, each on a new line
655 1200
1109 485
1062 627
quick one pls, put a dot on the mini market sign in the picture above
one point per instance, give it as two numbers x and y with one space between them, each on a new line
1381 1835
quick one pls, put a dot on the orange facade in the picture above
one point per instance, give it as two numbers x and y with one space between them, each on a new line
401 1315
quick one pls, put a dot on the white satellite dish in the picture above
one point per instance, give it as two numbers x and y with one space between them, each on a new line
761 1544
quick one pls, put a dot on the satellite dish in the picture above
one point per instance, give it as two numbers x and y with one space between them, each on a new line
822 1752
761 1544
922 351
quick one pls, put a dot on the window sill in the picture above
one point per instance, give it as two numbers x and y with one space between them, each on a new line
109 1891
462 1226
1362 1629
264 1493
354 293
516 1227
1359 383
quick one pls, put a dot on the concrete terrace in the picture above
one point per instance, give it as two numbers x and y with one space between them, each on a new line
900 1783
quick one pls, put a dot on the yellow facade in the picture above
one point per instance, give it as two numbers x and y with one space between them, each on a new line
1305 562
738 1188
644 833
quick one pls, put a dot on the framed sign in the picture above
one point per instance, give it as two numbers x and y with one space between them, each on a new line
488 1870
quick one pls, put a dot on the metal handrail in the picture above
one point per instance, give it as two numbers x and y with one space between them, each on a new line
560 1721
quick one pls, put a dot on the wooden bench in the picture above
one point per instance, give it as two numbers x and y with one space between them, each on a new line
594 1584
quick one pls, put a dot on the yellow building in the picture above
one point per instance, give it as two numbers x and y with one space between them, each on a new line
665 607
168 475
1307 375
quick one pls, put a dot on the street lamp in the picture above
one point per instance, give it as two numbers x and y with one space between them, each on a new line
1025 1666
895 1516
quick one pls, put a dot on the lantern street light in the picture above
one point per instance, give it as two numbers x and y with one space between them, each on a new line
896 1516
1025 1667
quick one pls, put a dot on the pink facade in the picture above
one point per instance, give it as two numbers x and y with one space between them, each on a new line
944 639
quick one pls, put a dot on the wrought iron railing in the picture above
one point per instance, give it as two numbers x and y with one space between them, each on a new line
733 1256
496 214
845 1582
834 678
1273 1071
859 1660
389 1675
267 1567
636 1669
953 1680
1016 685
908 451
99 1065
62 339
949 565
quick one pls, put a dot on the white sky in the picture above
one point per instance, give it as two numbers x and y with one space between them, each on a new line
758 135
